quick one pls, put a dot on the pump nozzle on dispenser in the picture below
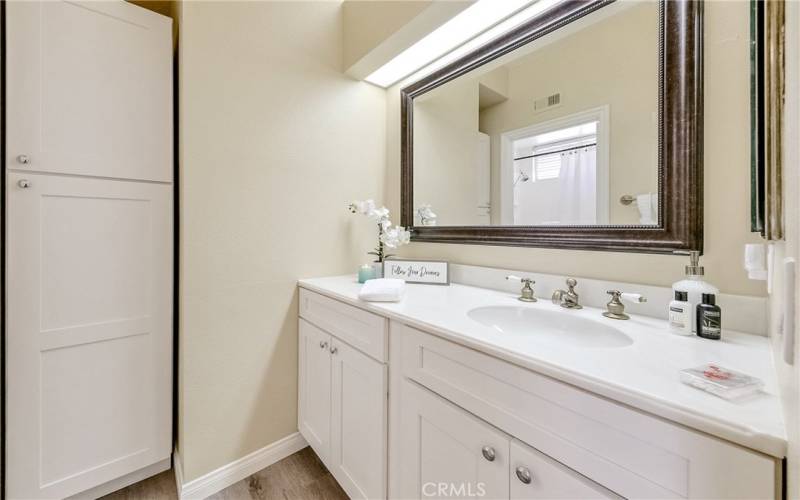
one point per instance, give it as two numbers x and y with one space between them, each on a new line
693 285
694 268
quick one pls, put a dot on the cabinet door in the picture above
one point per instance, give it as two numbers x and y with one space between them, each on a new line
535 475
91 89
359 433
448 453
89 331
314 388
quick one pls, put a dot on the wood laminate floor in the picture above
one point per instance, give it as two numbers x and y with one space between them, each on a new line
297 477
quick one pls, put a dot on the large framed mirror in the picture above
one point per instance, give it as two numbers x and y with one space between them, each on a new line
580 128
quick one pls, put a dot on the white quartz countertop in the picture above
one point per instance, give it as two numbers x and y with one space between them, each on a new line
643 375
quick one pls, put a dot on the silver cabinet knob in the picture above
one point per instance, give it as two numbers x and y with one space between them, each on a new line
334 350
323 344
524 474
23 159
488 453
24 183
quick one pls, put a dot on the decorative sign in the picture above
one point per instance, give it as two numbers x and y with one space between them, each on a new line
429 272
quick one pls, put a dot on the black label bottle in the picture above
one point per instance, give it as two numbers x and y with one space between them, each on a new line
709 318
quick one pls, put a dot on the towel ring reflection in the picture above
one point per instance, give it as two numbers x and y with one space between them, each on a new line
627 199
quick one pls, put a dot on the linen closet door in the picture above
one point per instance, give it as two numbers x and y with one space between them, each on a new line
88 245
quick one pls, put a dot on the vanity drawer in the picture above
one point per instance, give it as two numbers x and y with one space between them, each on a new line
629 452
363 330
548 479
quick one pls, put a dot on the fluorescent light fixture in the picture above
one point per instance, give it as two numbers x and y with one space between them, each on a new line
493 32
480 22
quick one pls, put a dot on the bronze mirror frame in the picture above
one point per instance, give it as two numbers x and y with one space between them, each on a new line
680 141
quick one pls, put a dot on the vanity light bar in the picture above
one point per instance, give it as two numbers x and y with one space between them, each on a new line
480 22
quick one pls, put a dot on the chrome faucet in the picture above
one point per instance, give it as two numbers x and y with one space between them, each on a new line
568 298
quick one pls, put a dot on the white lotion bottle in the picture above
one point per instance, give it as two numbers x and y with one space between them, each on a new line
680 314
694 286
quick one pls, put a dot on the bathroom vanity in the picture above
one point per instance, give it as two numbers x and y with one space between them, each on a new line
462 391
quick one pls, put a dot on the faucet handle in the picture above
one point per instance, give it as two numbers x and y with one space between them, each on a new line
615 309
526 294
525 281
633 297
571 284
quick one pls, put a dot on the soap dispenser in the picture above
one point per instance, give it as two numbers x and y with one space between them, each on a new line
694 285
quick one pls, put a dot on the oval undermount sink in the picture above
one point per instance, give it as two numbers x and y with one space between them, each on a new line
553 326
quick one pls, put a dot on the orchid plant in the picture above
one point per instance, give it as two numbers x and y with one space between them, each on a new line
388 236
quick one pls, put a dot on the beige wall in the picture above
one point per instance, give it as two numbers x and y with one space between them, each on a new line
275 141
613 63
726 178
370 23
375 31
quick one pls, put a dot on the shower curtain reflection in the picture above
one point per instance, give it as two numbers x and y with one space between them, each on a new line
577 186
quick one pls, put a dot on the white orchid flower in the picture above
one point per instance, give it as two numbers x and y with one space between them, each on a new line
365 207
426 215
394 237
379 214
388 236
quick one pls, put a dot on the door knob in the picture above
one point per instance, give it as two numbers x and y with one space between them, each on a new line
334 350
524 474
323 344
488 453
24 183
24 159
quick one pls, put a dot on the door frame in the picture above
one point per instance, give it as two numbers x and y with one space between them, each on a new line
599 114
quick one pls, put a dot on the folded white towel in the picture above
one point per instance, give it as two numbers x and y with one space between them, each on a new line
383 290
654 206
648 215
755 261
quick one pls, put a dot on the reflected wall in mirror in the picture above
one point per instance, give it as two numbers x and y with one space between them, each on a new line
580 128
561 132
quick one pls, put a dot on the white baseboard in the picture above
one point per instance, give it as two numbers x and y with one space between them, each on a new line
219 479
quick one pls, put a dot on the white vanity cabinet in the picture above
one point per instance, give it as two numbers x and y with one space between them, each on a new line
534 475
315 383
465 423
633 454
342 403
448 452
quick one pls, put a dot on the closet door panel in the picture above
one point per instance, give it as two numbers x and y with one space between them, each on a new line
89 331
91 90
